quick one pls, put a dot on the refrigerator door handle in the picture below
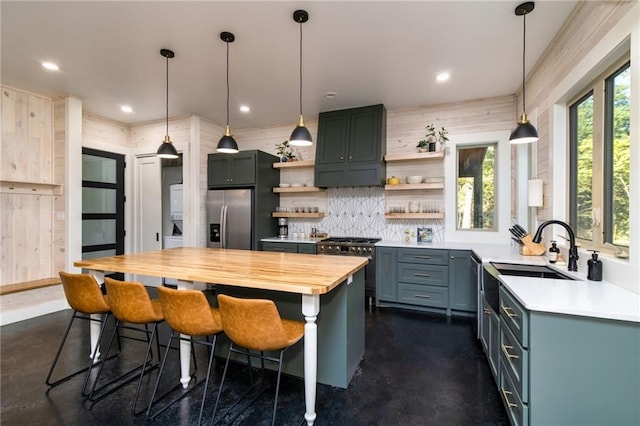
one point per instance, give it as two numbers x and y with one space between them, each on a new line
223 222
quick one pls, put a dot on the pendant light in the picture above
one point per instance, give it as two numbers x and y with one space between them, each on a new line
227 144
166 148
525 132
300 135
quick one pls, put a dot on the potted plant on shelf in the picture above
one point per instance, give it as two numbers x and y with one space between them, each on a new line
443 138
283 151
429 141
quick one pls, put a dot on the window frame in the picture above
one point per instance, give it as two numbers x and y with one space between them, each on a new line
602 201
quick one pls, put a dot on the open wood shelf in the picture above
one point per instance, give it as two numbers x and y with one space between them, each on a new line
414 156
285 214
294 164
24 187
407 186
299 189
414 215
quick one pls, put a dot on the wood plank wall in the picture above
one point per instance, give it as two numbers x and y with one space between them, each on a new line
27 192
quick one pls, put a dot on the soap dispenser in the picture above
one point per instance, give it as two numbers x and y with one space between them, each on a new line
594 266
553 252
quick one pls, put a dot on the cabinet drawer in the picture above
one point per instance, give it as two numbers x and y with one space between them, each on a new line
426 256
424 295
414 273
280 247
515 359
518 411
307 248
515 316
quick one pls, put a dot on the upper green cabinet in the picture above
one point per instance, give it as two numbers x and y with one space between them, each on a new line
350 148
246 168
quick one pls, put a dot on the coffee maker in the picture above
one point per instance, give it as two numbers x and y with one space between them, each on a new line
283 227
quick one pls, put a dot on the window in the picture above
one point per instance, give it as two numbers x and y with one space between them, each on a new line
599 124
476 192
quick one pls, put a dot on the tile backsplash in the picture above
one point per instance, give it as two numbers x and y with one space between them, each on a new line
359 212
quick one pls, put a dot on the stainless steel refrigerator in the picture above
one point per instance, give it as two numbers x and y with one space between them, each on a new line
229 218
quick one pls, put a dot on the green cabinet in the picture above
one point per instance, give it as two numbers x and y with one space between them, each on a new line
241 169
288 247
350 148
463 292
385 274
567 369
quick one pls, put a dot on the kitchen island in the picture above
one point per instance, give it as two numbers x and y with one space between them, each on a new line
333 343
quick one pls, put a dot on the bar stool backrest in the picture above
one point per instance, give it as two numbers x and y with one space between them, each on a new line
130 302
188 312
83 293
254 324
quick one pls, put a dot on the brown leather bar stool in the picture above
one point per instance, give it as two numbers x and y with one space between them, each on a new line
255 325
188 312
130 303
83 294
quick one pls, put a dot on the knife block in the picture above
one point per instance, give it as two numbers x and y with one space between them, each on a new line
530 248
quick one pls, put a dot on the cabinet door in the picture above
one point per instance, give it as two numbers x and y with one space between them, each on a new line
242 168
280 247
365 134
462 286
217 170
386 274
494 342
333 132
307 248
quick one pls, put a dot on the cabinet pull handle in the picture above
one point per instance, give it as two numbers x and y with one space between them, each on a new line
505 395
505 350
509 312
487 311
422 296
422 257
421 275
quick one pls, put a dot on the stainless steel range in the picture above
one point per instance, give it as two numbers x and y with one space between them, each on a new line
355 246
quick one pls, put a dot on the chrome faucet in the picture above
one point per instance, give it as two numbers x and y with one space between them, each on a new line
573 250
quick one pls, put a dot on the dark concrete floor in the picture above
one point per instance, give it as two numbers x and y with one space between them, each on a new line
418 369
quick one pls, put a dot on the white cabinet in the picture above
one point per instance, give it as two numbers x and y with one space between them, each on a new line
175 203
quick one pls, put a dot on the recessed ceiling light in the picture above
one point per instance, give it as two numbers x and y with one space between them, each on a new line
126 108
330 95
443 76
244 108
50 66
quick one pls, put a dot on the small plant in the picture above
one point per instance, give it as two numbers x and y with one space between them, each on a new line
283 150
443 135
429 138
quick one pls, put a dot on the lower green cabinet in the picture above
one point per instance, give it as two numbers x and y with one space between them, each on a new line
286 247
425 279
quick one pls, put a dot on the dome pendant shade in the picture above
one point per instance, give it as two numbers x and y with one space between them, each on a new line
525 132
166 148
300 135
227 144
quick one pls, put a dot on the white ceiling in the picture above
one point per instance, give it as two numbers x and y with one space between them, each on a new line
368 52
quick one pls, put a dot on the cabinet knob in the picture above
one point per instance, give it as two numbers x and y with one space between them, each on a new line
350 157
451 257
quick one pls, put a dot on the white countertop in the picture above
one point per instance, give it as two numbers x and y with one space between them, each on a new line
598 299
289 240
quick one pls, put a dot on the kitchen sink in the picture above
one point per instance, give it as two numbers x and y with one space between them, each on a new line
537 271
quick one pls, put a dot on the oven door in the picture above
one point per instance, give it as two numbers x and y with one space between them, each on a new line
491 286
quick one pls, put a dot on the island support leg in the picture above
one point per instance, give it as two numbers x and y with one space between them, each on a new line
94 326
185 347
310 310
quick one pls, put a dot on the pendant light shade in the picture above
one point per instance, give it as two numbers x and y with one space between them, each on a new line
166 148
525 132
227 144
300 135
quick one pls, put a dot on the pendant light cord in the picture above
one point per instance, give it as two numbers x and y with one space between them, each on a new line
300 68
227 84
167 104
524 50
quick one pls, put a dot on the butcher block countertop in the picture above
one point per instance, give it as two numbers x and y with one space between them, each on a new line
288 272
